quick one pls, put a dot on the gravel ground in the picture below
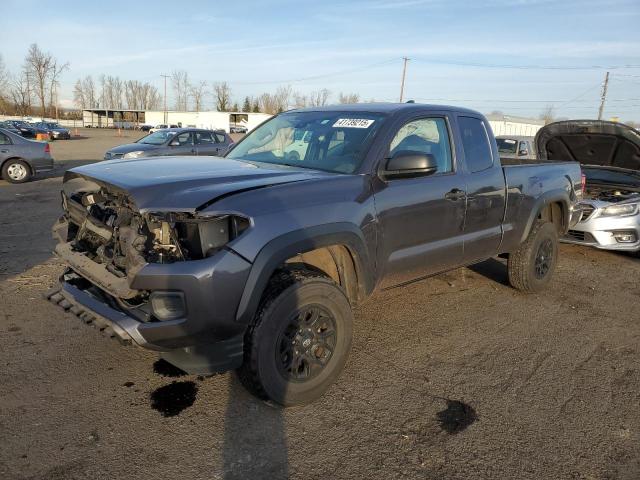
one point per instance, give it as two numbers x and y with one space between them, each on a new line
458 376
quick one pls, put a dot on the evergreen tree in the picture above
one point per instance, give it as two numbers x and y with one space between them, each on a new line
246 107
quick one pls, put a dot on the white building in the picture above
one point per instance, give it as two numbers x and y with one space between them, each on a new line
511 125
209 120
122 118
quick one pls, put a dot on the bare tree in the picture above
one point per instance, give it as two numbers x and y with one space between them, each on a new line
4 86
319 98
79 96
20 91
54 83
197 93
222 96
348 98
39 66
180 85
89 89
299 100
547 114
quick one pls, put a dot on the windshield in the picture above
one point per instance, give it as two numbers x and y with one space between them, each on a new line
329 141
506 145
157 138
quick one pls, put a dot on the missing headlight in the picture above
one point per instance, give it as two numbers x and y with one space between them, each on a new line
204 237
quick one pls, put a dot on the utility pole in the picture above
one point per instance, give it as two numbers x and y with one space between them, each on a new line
404 74
165 99
603 96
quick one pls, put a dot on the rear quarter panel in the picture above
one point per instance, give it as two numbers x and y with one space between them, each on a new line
529 189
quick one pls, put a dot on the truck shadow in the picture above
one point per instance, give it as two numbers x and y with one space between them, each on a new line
494 269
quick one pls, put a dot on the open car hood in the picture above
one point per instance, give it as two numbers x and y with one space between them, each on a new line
590 142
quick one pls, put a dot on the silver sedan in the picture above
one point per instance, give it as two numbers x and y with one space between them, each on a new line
21 158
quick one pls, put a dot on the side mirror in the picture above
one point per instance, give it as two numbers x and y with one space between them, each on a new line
523 152
174 143
407 163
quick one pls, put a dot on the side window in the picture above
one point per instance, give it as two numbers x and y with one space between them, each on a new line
204 138
220 137
475 142
524 148
4 140
184 139
426 135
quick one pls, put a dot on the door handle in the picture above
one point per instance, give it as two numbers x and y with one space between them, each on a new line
455 194
4 151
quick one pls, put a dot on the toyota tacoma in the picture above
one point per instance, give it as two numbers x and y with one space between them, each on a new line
255 261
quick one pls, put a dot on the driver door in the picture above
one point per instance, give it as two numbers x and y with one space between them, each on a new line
421 219
182 144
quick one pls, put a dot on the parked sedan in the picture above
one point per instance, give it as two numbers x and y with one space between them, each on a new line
56 131
174 141
26 130
21 158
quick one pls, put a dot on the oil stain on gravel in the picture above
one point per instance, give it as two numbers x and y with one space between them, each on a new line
172 399
456 417
164 368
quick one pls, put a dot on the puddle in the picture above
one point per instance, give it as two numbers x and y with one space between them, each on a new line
456 417
164 368
172 399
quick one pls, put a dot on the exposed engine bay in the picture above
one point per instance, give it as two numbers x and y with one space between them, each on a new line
104 237
608 194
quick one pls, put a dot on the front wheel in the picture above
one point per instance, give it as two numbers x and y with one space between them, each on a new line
300 339
532 265
16 171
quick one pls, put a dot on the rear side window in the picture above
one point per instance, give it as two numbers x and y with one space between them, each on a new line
204 138
475 142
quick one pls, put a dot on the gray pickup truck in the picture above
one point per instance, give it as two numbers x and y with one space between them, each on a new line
255 261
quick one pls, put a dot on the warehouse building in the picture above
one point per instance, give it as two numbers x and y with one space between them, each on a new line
122 118
511 125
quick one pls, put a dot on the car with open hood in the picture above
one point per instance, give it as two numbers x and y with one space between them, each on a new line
255 261
609 154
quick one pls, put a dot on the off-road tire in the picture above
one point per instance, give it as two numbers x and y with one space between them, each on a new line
287 292
15 161
522 263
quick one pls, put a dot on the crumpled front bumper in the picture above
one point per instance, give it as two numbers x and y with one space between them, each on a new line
207 339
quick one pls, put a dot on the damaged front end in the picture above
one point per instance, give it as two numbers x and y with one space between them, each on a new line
103 235
149 276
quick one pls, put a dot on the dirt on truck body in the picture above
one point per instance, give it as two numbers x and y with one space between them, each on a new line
255 261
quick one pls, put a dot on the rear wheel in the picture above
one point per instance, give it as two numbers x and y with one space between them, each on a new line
16 171
532 265
300 339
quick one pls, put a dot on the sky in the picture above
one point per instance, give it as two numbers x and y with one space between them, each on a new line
517 57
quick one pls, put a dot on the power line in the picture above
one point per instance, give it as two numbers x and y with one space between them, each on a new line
324 75
529 67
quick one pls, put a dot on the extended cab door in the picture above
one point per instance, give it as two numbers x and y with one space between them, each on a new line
421 219
485 189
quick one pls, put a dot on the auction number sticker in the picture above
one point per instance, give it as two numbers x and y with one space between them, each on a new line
353 123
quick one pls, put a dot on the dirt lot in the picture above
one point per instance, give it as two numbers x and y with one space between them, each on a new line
458 376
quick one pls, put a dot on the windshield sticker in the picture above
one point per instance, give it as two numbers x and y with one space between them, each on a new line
353 123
